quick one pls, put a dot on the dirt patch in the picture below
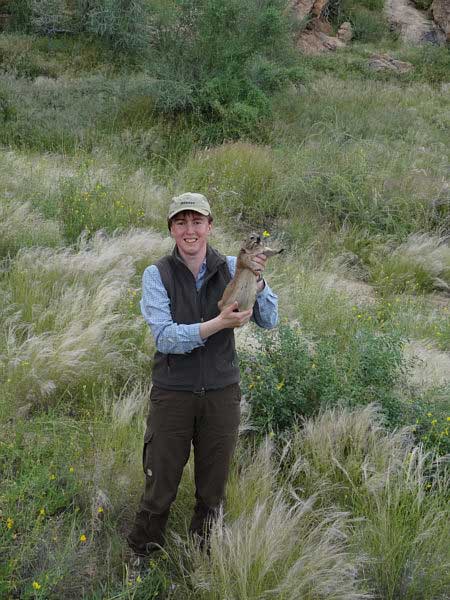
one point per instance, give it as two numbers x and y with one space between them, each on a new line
358 292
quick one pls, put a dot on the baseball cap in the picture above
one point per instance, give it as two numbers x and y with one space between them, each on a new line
189 201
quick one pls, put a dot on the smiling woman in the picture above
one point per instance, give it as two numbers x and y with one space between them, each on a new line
195 395
190 231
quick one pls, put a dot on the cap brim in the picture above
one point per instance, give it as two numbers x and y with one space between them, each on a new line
201 211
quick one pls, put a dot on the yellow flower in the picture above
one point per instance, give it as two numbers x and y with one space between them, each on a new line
251 386
42 512
448 418
100 509
138 579
82 538
71 469
52 477
280 385
433 422
36 585
266 233
429 414
9 523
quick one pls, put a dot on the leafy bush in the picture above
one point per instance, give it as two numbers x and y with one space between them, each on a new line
291 378
367 25
122 24
93 209
242 180
366 16
220 61
20 11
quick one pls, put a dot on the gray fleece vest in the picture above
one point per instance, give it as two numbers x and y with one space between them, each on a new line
213 365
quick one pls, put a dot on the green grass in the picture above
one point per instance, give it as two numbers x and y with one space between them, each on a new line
347 172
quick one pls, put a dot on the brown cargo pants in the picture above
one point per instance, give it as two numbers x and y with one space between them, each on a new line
176 419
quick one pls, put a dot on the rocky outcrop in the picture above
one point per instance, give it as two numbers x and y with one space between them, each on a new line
385 62
309 9
315 42
440 9
414 26
317 36
345 32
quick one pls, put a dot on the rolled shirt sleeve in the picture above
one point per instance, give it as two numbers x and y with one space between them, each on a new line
170 337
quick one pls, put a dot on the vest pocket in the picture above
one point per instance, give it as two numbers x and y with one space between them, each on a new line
147 462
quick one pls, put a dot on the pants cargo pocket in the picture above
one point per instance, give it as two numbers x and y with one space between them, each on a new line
147 460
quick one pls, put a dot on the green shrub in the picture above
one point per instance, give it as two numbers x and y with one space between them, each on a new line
242 181
21 14
289 379
220 61
123 24
93 209
367 17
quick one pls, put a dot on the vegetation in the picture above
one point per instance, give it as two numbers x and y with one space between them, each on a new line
339 488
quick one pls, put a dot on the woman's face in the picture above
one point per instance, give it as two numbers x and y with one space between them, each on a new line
190 230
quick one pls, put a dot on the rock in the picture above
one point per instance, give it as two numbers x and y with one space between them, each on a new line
380 62
324 27
316 37
440 9
345 32
315 42
302 8
318 8
309 9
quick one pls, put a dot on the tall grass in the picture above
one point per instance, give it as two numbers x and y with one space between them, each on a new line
20 227
349 458
270 543
70 321
350 179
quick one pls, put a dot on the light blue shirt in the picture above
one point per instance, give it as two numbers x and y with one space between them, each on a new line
174 338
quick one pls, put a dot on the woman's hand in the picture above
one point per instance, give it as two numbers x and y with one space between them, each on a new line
231 317
228 318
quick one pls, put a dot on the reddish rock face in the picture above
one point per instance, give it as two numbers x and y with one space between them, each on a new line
309 8
318 7
302 7
440 10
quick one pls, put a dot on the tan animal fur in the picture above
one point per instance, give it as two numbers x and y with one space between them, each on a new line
243 287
